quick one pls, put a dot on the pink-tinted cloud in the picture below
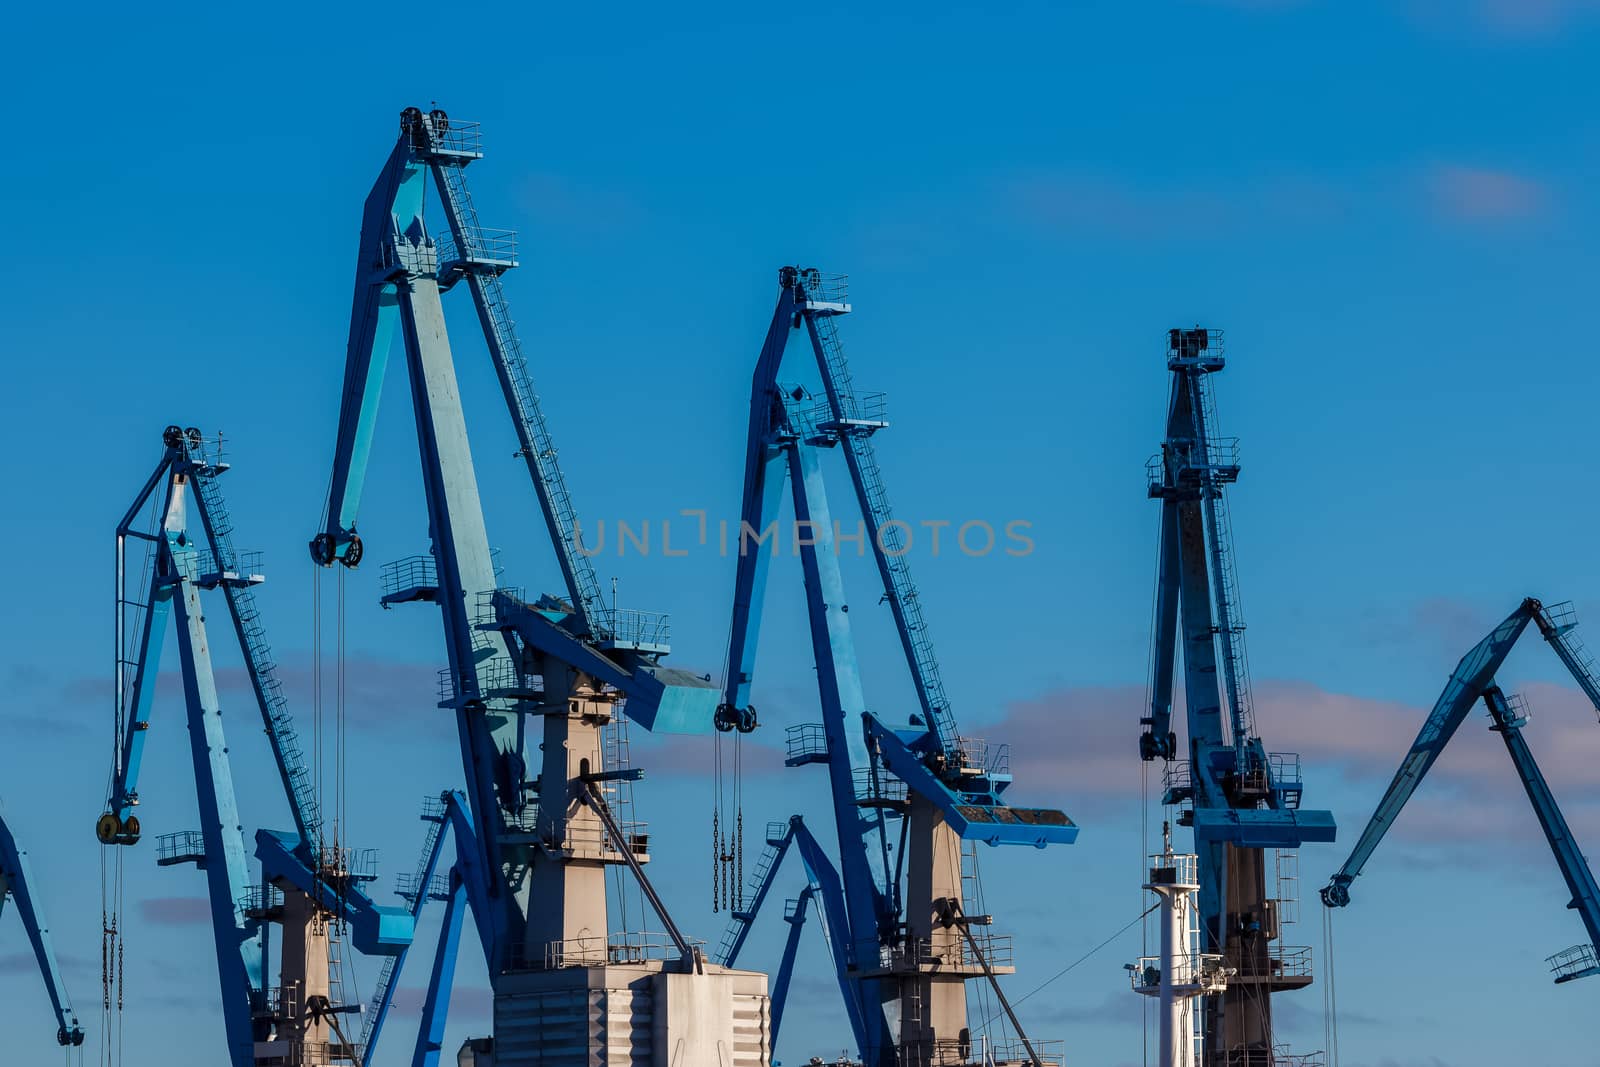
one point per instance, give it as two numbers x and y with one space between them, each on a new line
466 1002
1482 195
175 911
1078 747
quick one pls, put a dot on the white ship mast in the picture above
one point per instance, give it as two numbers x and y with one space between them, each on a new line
1181 974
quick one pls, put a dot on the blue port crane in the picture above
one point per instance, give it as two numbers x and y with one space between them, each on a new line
1472 680
309 884
906 792
440 814
16 885
545 674
1240 799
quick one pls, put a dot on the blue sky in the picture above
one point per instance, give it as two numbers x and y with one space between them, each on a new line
1385 205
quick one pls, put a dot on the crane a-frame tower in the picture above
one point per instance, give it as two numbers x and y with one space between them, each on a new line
908 791
1240 799
537 684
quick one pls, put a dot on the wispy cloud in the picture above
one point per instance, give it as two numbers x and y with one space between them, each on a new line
175 911
466 1002
1507 18
1081 753
1138 209
1470 194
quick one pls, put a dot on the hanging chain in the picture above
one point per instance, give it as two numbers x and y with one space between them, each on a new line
738 834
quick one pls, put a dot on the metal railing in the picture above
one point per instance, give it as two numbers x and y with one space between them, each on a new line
1203 969
1222 462
1282 1057
1178 775
634 627
1184 868
1573 961
484 246
628 947
911 953
981 1051
1563 615
1194 344
812 416
259 901
500 676
412 572
453 135
1281 961
877 787
355 864
180 846
1285 767
806 740
243 563
406 886
592 836
825 288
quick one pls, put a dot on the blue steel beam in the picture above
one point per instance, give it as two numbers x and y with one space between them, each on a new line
134 707
436 1005
1467 683
761 497
791 949
389 980
745 918
861 998
376 930
174 590
894 564
1569 857
16 882
1474 677
863 837
782 448
398 280
396 195
1237 805
238 949
276 721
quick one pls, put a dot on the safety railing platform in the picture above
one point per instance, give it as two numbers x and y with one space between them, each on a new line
485 248
185 846
406 885
597 951
811 417
1579 961
880 789
243 569
805 743
261 902
408 579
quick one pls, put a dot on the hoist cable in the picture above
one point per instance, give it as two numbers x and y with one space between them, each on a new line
1081 959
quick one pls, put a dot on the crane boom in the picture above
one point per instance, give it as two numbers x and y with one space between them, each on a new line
536 684
1569 857
1474 679
887 905
1472 676
16 883
303 880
